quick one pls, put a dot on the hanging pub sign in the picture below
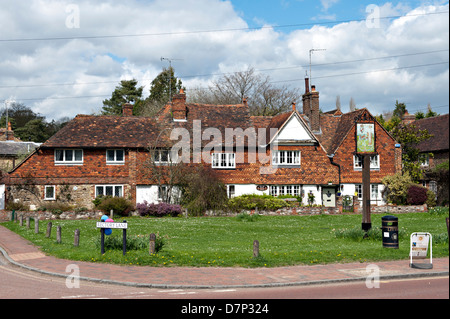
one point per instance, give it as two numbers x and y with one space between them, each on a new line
365 138
365 134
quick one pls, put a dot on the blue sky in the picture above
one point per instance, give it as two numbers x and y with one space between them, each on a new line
287 12
76 61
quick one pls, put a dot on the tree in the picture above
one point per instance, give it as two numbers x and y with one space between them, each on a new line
35 130
126 92
263 97
18 115
162 88
352 105
430 112
409 136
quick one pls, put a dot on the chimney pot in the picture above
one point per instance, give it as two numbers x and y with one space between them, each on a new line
293 106
306 85
127 109
313 88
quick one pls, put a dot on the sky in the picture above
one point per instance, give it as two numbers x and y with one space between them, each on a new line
63 58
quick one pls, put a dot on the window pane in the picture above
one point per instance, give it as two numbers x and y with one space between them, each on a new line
78 155
297 157
69 155
49 192
99 191
164 156
110 155
118 191
109 190
273 190
282 157
231 160
289 157
59 155
119 155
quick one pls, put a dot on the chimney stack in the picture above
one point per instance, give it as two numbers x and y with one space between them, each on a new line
127 109
179 110
311 106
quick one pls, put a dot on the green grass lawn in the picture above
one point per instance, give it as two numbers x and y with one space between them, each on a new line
228 241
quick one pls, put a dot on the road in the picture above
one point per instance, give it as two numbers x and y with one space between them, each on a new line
19 283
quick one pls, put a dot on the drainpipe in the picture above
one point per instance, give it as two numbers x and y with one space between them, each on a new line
339 169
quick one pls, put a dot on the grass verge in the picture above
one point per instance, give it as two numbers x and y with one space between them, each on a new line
228 241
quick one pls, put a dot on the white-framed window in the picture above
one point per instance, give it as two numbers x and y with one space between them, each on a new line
109 190
164 156
280 190
374 162
231 191
223 160
358 190
115 156
374 191
69 156
286 158
49 192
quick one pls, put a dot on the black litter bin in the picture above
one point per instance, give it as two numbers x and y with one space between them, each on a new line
389 231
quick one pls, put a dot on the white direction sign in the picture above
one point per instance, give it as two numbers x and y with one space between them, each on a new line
112 225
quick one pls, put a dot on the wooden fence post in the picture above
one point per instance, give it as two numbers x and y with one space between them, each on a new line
21 220
76 240
49 230
28 222
256 249
58 234
152 244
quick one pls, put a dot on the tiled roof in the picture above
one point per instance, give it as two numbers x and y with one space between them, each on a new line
87 131
437 126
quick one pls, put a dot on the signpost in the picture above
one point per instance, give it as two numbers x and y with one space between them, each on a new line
419 250
112 225
365 147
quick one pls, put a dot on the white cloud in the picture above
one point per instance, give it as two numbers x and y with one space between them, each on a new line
98 64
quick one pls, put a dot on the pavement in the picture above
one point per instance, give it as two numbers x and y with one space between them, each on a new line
22 253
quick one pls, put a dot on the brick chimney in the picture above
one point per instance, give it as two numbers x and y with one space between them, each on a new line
9 133
179 110
311 106
127 109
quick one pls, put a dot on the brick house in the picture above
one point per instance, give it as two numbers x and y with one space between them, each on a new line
434 151
295 153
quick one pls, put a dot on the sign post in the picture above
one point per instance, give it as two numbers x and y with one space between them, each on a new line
419 250
112 225
365 148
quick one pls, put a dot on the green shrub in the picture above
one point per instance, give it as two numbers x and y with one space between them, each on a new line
260 202
396 188
431 199
119 205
